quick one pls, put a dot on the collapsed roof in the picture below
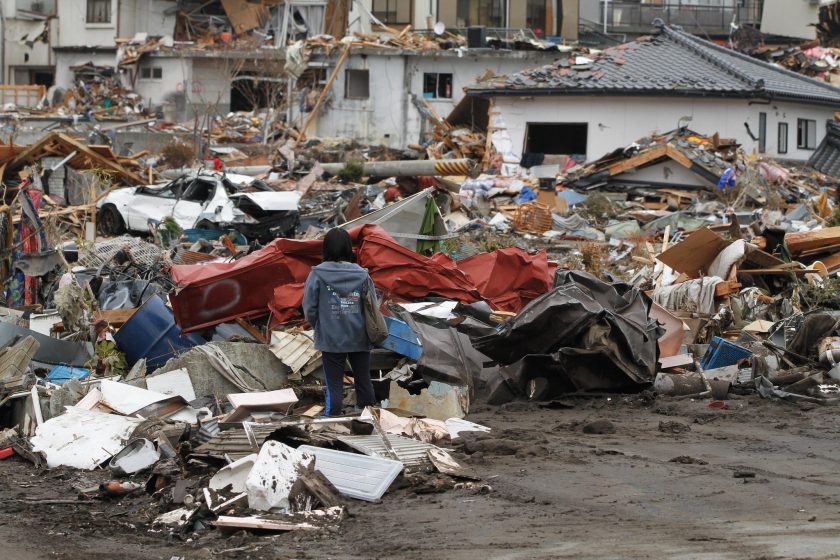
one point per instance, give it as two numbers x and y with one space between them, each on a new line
706 157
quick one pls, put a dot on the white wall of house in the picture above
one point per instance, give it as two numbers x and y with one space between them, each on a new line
380 118
465 71
614 122
388 116
146 16
209 85
75 31
790 18
175 80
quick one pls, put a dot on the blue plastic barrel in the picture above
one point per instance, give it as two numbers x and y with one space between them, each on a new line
151 333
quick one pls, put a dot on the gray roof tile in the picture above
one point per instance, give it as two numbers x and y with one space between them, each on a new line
671 62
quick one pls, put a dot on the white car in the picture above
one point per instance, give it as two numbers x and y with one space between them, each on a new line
203 200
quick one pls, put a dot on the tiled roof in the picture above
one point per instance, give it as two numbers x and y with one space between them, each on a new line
669 63
826 158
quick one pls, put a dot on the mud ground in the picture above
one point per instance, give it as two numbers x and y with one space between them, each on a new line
675 479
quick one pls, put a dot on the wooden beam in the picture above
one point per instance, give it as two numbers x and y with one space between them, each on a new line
327 87
637 161
678 156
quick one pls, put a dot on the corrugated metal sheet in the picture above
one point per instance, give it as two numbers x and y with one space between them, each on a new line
411 452
235 443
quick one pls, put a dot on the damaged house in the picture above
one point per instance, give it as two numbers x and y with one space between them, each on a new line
26 59
587 106
185 58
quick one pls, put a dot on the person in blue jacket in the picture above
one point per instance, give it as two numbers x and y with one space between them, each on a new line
333 303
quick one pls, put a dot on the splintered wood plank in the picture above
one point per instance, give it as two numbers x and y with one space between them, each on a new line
637 161
808 241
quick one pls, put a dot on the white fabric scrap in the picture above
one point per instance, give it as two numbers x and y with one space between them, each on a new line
692 295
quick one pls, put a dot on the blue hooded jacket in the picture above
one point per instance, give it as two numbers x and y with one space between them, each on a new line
333 303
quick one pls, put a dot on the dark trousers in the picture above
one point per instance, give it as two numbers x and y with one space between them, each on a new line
334 376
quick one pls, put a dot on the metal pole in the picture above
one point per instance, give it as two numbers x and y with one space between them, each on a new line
411 168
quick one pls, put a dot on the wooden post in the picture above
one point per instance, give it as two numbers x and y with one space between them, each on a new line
324 92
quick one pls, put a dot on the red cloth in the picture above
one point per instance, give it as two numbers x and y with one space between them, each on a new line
272 278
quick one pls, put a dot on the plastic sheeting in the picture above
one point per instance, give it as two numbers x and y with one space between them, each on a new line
584 335
272 279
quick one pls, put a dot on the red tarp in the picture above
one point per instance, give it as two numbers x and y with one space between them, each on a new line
509 278
272 278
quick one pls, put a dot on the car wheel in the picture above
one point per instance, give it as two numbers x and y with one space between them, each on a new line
110 221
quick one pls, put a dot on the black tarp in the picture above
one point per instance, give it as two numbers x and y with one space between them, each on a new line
584 335
448 354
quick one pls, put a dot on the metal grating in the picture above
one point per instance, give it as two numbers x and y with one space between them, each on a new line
144 253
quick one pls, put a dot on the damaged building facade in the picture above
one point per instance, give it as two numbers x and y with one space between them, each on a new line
28 35
191 71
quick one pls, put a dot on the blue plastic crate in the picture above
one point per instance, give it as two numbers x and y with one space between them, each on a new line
401 339
723 353
62 374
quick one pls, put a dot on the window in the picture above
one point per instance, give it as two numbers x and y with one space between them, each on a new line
762 133
806 134
489 13
396 12
357 84
535 17
783 137
437 86
99 11
556 138
151 73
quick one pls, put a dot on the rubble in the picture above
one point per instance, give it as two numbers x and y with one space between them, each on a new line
182 362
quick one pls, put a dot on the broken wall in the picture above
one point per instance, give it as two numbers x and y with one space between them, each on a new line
21 56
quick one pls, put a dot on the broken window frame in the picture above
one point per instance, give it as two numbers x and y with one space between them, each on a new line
98 12
347 83
806 134
383 15
155 73
529 126
782 148
438 91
